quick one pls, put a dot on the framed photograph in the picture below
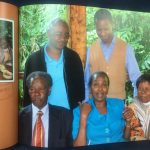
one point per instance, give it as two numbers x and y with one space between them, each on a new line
6 50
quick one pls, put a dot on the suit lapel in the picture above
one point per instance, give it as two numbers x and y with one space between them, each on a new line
54 127
28 123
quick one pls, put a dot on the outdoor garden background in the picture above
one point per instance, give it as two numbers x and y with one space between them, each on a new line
133 27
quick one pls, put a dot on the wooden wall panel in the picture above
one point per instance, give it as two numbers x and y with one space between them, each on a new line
9 90
77 22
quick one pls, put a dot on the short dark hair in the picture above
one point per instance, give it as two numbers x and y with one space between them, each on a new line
95 75
102 14
143 78
39 74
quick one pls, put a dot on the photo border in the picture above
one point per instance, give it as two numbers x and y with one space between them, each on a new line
13 52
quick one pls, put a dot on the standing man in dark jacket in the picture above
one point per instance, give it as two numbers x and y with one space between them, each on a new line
63 64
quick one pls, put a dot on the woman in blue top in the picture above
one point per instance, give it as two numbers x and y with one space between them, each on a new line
101 119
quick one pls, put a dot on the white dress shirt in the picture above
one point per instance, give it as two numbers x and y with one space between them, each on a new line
45 120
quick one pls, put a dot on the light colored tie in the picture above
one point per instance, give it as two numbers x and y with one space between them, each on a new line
38 132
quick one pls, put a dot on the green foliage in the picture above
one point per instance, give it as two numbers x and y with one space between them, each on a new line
6 28
91 32
34 21
134 28
20 93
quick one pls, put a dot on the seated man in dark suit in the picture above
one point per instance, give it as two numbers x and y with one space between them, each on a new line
41 124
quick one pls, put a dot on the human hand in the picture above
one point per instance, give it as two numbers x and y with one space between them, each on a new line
128 114
85 109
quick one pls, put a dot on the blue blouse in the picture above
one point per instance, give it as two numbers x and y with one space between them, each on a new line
102 128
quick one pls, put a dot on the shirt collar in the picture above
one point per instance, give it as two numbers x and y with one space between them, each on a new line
137 101
112 42
50 59
35 109
147 104
92 104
